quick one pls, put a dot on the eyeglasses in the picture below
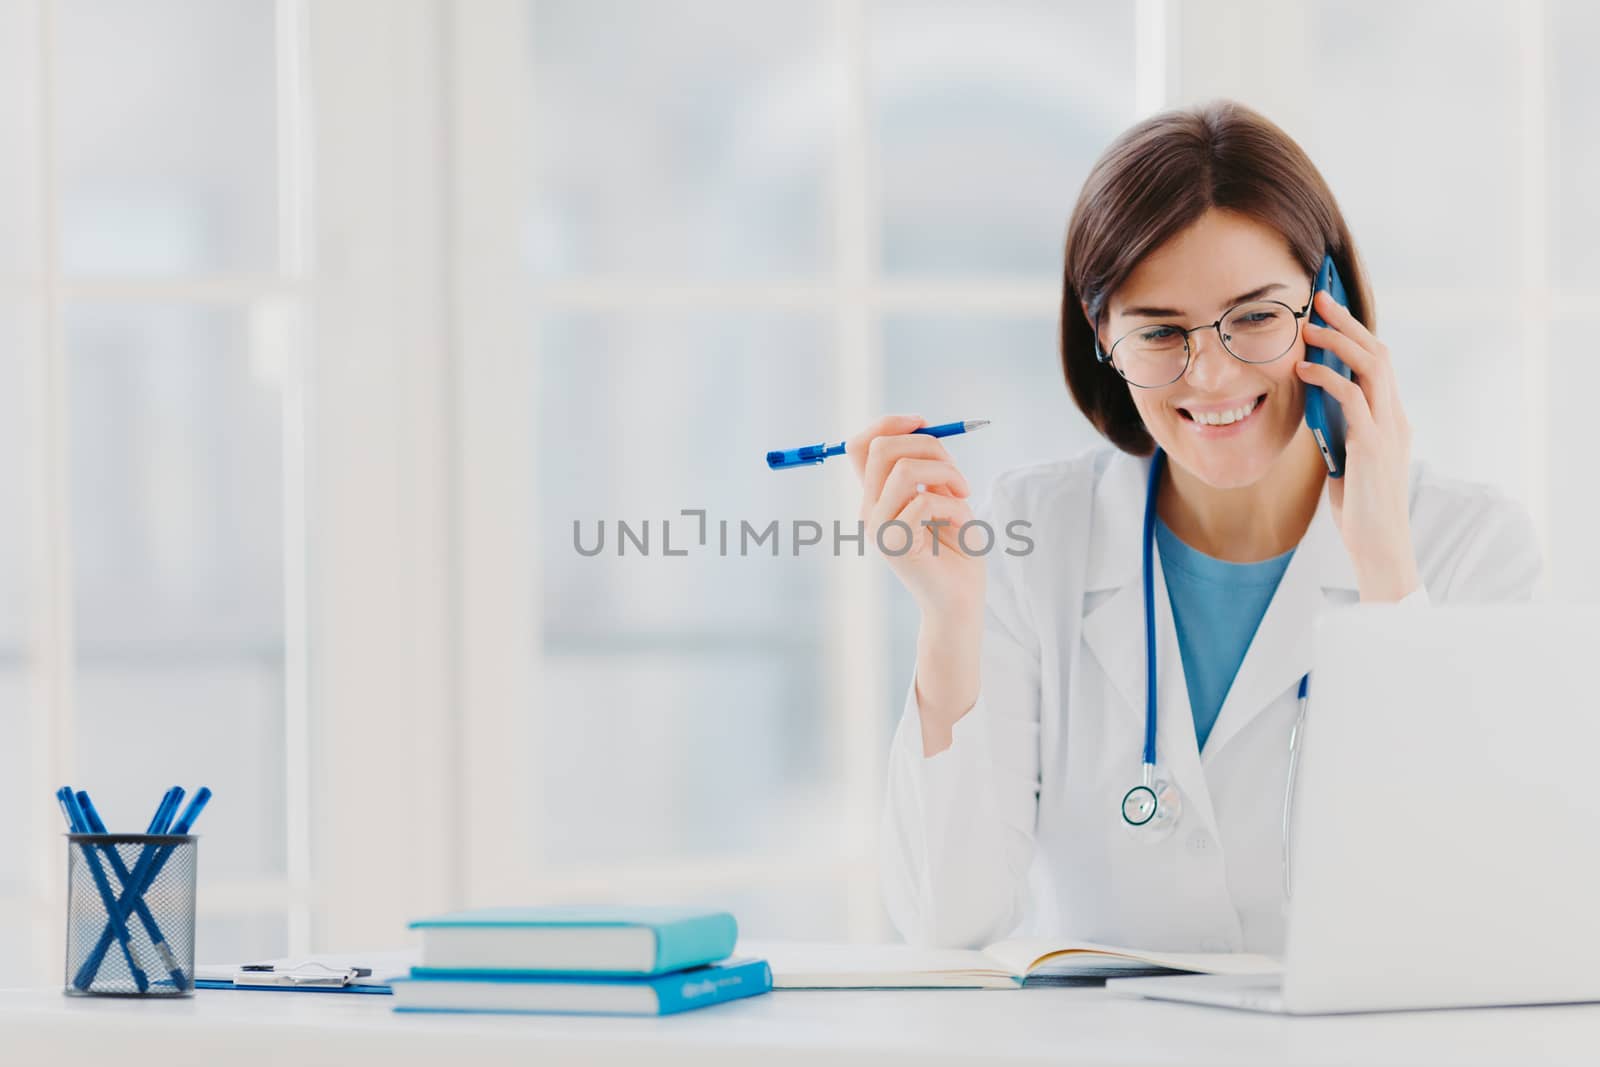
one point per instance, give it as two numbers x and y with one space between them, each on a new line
1258 331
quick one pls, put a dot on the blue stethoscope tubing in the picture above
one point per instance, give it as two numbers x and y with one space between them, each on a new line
1154 803
1157 462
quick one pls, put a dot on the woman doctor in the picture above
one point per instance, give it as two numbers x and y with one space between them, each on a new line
1025 724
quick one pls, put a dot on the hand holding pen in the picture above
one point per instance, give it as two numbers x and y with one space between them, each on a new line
812 455
910 478
914 505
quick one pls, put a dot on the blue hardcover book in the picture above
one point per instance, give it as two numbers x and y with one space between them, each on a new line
620 942
663 994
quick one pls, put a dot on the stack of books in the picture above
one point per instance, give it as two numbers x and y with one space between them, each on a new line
588 961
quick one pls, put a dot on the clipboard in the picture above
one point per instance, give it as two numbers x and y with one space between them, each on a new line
369 973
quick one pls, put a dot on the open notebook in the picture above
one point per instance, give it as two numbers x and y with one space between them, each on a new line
1002 965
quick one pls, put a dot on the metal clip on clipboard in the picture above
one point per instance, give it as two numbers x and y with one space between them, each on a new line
303 975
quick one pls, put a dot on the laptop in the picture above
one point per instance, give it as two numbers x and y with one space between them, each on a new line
1445 828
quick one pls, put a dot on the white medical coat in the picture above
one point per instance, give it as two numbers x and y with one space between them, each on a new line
1016 827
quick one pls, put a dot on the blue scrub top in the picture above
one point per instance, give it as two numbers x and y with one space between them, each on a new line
1216 607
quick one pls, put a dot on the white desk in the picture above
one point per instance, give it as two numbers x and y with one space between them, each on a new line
1057 1025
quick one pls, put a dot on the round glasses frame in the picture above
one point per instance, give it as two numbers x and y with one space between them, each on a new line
1105 355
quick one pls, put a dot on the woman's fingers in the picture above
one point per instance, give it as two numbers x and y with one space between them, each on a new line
885 453
1370 355
909 479
1374 375
906 476
1340 318
887 426
1357 412
929 517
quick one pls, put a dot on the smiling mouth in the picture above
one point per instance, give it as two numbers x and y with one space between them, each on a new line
1223 418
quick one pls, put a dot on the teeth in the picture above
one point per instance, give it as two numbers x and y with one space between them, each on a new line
1223 418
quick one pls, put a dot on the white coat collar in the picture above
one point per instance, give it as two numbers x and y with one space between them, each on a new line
1114 629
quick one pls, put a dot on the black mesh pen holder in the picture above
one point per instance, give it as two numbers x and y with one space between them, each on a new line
130 914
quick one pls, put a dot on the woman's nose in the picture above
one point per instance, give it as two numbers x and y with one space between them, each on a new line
1210 364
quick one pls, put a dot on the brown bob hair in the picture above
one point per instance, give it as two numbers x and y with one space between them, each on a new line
1153 182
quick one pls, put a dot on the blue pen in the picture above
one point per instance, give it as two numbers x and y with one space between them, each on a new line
150 862
140 909
811 455
158 825
117 925
159 819
185 821
73 825
166 812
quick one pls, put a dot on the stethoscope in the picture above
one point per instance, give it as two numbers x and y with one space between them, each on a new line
1154 807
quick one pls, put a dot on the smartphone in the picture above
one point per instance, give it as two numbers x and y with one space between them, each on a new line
1323 413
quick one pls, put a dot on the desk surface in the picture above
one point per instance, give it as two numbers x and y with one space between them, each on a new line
1055 1024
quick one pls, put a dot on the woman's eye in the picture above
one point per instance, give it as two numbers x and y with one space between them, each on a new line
1158 333
1256 318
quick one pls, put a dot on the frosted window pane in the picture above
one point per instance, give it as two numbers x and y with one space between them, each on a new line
19 133
167 135
673 685
644 416
1462 389
987 118
177 540
176 493
650 756
680 140
1574 142
1417 134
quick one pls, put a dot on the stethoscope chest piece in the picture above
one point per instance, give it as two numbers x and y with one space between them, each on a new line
1152 808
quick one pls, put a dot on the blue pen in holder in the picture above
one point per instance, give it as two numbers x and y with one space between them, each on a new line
130 914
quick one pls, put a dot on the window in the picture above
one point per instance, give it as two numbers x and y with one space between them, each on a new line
149 314
321 345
